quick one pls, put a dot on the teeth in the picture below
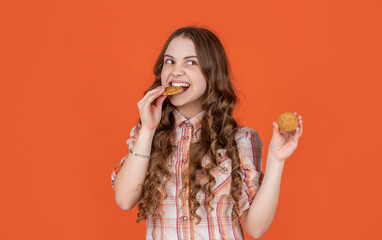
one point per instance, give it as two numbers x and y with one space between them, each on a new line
180 84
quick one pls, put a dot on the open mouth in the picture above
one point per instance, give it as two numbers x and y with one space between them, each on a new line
185 86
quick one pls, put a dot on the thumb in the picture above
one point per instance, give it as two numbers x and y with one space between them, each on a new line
275 128
159 101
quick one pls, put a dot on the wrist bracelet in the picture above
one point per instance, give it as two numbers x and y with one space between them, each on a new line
139 155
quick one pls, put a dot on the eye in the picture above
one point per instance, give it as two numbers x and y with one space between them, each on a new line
168 61
192 62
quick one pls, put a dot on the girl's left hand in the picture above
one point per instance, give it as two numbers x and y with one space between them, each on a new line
283 144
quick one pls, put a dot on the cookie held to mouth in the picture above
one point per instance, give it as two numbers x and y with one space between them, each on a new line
172 90
287 122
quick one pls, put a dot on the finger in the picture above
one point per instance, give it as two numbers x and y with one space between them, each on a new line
152 97
298 131
285 134
160 101
297 135
275 128
299 123
299 116
151 92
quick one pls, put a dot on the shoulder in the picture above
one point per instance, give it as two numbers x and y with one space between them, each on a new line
247 137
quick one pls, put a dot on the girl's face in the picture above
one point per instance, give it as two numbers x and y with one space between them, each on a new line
181 67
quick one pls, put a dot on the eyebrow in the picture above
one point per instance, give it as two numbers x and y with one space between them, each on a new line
166 55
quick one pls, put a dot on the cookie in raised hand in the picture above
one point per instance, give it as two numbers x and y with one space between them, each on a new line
287 122
172 90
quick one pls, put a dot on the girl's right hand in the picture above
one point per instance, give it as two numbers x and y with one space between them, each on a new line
150 113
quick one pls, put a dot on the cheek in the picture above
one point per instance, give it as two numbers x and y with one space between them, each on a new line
204 88
202 82
163 76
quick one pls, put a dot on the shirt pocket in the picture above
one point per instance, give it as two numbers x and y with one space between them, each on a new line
222 175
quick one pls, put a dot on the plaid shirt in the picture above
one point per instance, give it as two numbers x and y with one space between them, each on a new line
175 223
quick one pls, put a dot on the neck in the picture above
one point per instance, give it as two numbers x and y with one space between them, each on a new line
189 113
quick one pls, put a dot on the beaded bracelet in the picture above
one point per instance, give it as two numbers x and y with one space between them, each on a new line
139 155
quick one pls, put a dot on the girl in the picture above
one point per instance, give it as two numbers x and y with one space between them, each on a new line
191 167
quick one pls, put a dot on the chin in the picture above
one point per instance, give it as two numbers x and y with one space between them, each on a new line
177 102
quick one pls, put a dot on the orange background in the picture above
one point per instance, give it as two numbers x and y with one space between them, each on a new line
72 73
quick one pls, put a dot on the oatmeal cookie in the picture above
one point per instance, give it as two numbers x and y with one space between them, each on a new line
172 90
287 122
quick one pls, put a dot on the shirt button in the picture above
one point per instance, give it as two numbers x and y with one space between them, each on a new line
186 137
225 169
185 218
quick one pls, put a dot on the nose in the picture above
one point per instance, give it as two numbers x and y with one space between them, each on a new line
177 71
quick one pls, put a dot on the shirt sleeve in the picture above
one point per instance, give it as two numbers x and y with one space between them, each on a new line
130 142
250 151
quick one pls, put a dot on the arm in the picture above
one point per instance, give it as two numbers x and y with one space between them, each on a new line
128 182
259 217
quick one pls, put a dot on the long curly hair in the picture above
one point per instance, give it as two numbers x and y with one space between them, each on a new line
218 130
